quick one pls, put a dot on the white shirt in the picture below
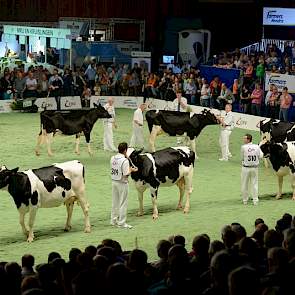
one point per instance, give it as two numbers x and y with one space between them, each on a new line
119 168
138 116
111 111
178 107
229 121
250 154
268 95
31 83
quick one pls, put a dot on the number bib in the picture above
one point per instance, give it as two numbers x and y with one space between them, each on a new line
116 168
251 155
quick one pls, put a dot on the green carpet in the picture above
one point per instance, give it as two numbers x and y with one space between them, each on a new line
215 200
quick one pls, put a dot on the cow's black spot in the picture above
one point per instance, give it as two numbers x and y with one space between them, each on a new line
63 194
34 198
52 177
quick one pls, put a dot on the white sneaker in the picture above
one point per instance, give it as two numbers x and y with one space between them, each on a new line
245 202
230 155
113 223
127 226
222 159
255 203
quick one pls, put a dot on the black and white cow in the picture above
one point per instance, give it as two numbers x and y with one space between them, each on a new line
178 123
69 123
282 158
45 188
276 131
167 167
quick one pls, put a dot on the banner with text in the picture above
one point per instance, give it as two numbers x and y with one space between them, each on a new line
281 81
277 16
5 106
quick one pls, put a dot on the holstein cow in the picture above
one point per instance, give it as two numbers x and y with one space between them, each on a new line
282 158
167 167
44 188
69 123
178 123
276 131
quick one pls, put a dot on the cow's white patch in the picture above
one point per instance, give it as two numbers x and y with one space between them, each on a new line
290 130
154 164
185 149
191 114
291 150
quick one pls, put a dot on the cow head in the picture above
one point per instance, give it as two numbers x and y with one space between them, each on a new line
100 111
133 156
265 129
265 148
209 118
5 175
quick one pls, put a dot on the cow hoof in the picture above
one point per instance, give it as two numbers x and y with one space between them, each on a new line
278 197
50 154
155 216
186 210
139 214
30 239
67 228
87 230
179 207
293 198
37 153
77 153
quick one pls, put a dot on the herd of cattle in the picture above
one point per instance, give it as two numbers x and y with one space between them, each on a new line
64 183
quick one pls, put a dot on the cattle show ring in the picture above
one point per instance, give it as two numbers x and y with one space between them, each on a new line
211 192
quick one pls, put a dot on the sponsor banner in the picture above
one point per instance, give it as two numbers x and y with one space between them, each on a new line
37 31
70 103
242 121
46 102
127 102
276 16
280 80
5 106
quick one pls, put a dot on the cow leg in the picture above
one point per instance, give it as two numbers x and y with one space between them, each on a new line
193 147
87 138
33 212
154 194
77 147
70 207
180 185
188 186
40 139
293 187
140 190
85 208
280 183
22 213
153 136
266 162
49 137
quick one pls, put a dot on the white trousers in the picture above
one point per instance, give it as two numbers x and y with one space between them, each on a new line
249 182
119 203
108 141
137 139
224 143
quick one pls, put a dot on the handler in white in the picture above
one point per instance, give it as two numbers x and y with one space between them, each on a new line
250 154
179 105
120 170
227 125
108 125
137 139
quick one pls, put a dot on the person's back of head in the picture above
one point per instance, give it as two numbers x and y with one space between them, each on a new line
215 247
201 245
239 230
179 240
52 256
288 219
229 237
91 250
249 247
100 263
273 238
34 292
281 225
243 281
258 221
289 241
84 260
178 262
258 234
117 277
108 252
73 254
163 248
277 259
222 263
13 269
30 282
28 261
137 260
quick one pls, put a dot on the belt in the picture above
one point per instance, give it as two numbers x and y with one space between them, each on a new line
250 166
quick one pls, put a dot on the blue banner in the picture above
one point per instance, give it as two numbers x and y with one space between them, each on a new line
226 76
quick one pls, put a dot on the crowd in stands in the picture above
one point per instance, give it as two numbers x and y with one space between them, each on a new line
247 93
262 262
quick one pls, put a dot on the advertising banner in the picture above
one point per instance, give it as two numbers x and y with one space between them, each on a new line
276 16
281 81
